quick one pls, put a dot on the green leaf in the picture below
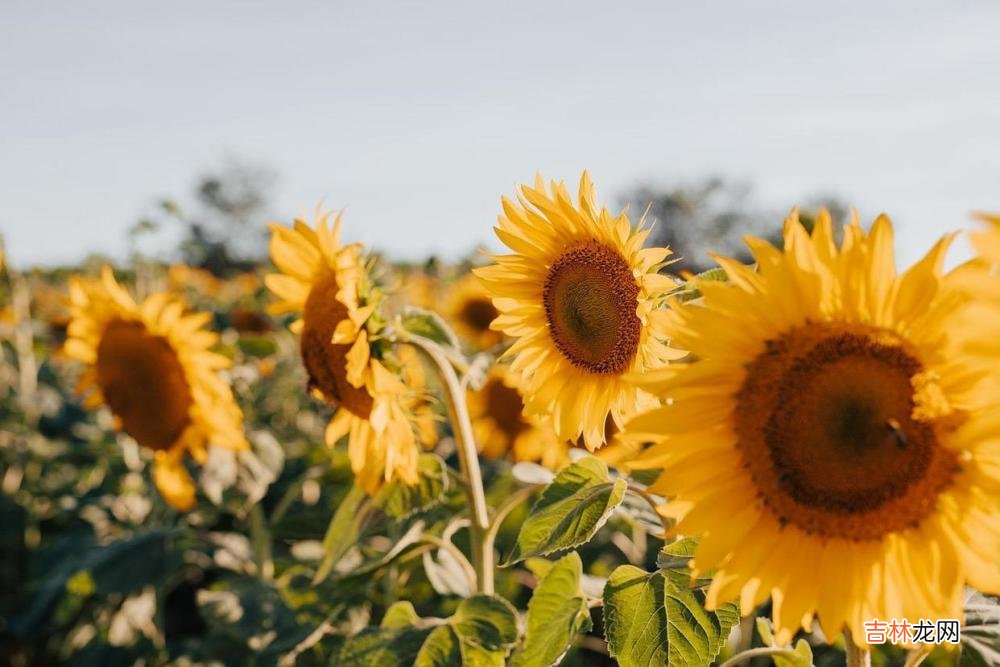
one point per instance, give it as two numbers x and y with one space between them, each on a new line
570 510
118 568
246 615
689 290
800 656
343 531
487 621
430 325
557 612
654 618
441 647
399 615
981 632
376 647
401 501
480 633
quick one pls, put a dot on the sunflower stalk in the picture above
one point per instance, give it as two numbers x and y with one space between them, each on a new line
468 457
856 656
24 344
260 539
750 654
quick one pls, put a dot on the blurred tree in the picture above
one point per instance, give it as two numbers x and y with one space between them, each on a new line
224 229
693 219
713 215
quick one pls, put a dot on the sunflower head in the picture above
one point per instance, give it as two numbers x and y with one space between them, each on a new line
579 294
470 309
829 436
349 360
151 364
503 429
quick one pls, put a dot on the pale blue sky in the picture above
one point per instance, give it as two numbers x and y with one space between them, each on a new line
418 116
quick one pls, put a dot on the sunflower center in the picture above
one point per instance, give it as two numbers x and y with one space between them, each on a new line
325 362
505 405
590 298
143 383
836 435
478 313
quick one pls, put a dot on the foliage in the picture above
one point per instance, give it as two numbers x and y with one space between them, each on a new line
286 561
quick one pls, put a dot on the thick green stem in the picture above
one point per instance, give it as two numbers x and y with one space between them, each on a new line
506 508
260 540
468 457
856 656
743 656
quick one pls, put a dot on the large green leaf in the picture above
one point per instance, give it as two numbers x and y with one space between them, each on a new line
656 618
344 530
247 616
481 632
557 612
401 501
487 621
570 510
441 647
119 568
981 632
378 647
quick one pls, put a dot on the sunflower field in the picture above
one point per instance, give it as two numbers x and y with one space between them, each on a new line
569 452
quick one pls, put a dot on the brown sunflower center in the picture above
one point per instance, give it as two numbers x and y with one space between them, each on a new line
590 298
505 405
143 383
835 435
478 313
326 362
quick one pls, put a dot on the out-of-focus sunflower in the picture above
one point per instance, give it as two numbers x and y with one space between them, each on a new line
419 399
345 355
419 288
830 443
151 364
503 429
579 296
183 276
470 310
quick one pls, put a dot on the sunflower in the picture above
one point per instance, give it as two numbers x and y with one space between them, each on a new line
980 278
471 311
151 364
502 429
830 444
418 288
579 296
344 352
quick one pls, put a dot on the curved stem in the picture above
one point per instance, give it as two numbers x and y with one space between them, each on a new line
648 497
756 652
468 457
506 508
917 656
448 546
856 656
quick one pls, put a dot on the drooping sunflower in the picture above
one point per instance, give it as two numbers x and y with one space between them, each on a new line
579 295
348 361
831 445
151 364
502 429
470 310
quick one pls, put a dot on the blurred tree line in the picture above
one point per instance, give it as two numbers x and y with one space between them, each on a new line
715 214
222 221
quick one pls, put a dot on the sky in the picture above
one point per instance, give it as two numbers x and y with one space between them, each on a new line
417 117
